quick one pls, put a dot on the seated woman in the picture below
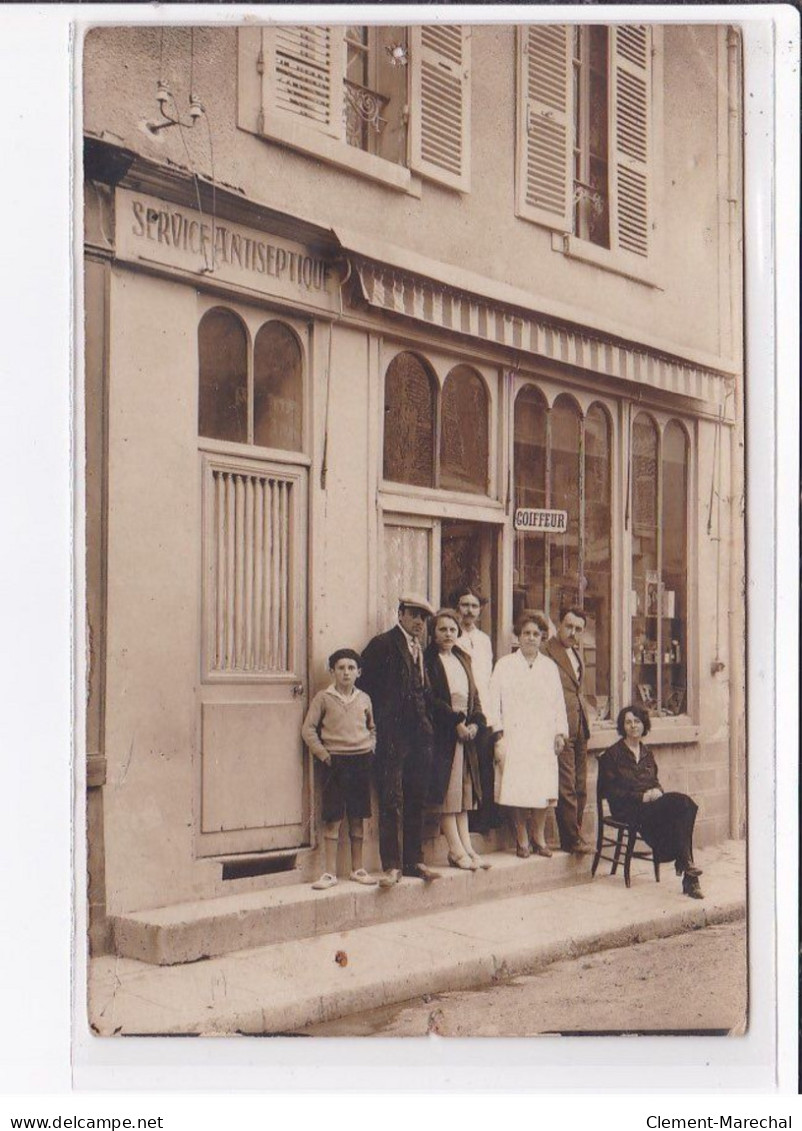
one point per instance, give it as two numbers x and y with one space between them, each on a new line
457 715
633 791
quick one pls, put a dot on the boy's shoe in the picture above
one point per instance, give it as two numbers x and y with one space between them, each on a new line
390 878
325 881
360 876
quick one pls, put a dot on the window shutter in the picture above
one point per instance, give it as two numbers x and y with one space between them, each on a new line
630 141
302 80
440 59
544 145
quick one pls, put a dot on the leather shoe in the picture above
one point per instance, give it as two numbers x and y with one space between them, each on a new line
390 878
541 849
523 850
422 872
582 849
690 886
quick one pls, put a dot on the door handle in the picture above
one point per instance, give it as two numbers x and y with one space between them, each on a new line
297 690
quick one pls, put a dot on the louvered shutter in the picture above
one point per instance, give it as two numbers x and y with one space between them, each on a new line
630 141
302 80
544 145
441 104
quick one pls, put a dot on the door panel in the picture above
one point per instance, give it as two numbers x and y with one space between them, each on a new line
254 775
245 743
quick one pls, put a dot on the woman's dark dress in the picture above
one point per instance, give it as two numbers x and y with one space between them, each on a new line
445 721
666 824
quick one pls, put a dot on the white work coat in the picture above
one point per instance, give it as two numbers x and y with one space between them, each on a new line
527 703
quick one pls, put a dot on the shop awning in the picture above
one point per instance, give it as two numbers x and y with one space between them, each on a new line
450 299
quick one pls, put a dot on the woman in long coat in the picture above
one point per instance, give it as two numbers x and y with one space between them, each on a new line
454 784
527 714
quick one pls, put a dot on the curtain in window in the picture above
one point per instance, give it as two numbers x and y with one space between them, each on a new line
409 422
464 432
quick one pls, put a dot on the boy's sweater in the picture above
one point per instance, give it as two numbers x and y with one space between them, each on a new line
334 725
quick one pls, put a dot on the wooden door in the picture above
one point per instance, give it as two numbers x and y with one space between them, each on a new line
253 787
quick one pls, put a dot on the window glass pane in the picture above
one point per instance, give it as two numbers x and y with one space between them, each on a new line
223 377
674 527
530 491
409 408
596 558
464 432
563 580
277 388
376 91
644 598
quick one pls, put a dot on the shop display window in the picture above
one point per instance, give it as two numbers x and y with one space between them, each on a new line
658 599
562 462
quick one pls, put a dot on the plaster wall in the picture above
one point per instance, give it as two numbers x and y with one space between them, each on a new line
153 555
478 230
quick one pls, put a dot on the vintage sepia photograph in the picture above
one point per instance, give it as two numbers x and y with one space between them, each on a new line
414 504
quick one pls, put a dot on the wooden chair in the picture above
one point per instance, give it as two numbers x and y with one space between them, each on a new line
615 837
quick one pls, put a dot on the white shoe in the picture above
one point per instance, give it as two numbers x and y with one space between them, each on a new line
325 881
360 876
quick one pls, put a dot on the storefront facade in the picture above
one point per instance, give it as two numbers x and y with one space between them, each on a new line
293 417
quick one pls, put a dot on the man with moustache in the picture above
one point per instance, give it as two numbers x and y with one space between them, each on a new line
394 677
564 650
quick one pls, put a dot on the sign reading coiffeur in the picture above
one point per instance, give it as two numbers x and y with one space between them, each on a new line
537 521
153 231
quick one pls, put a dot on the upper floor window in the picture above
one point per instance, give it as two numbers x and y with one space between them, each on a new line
591 193
421 423
244 397
382 101
658 602
583 146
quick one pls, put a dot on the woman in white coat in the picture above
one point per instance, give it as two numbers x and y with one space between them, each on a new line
526 710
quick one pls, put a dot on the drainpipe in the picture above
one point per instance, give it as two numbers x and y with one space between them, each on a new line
737 621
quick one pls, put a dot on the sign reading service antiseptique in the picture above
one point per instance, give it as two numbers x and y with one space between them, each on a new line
158 233
535 520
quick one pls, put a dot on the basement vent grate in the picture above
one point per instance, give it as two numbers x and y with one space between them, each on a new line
266 866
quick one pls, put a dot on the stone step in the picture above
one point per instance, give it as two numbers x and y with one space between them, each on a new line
189 932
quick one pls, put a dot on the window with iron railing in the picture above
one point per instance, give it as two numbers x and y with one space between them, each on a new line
383 101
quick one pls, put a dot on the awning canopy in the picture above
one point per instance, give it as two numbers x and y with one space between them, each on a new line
448 308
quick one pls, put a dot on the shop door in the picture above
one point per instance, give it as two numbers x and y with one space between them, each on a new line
468 556
254 775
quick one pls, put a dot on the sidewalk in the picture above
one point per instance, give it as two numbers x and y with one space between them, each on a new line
285 986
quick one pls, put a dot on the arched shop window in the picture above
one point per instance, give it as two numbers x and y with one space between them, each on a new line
562 462
249 401
409 421
223 376
464 432
277 388
658 601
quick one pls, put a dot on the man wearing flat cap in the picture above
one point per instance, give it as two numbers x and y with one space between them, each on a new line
393 676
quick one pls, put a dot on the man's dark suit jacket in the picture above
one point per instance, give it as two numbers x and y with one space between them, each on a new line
575 706
400 705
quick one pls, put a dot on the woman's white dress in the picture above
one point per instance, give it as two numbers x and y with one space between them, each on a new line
527 703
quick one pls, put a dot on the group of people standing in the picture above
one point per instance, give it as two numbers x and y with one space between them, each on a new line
442 727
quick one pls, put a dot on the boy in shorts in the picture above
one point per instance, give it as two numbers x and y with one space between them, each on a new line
340 731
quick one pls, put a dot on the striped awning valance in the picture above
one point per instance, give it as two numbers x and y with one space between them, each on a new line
430 302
